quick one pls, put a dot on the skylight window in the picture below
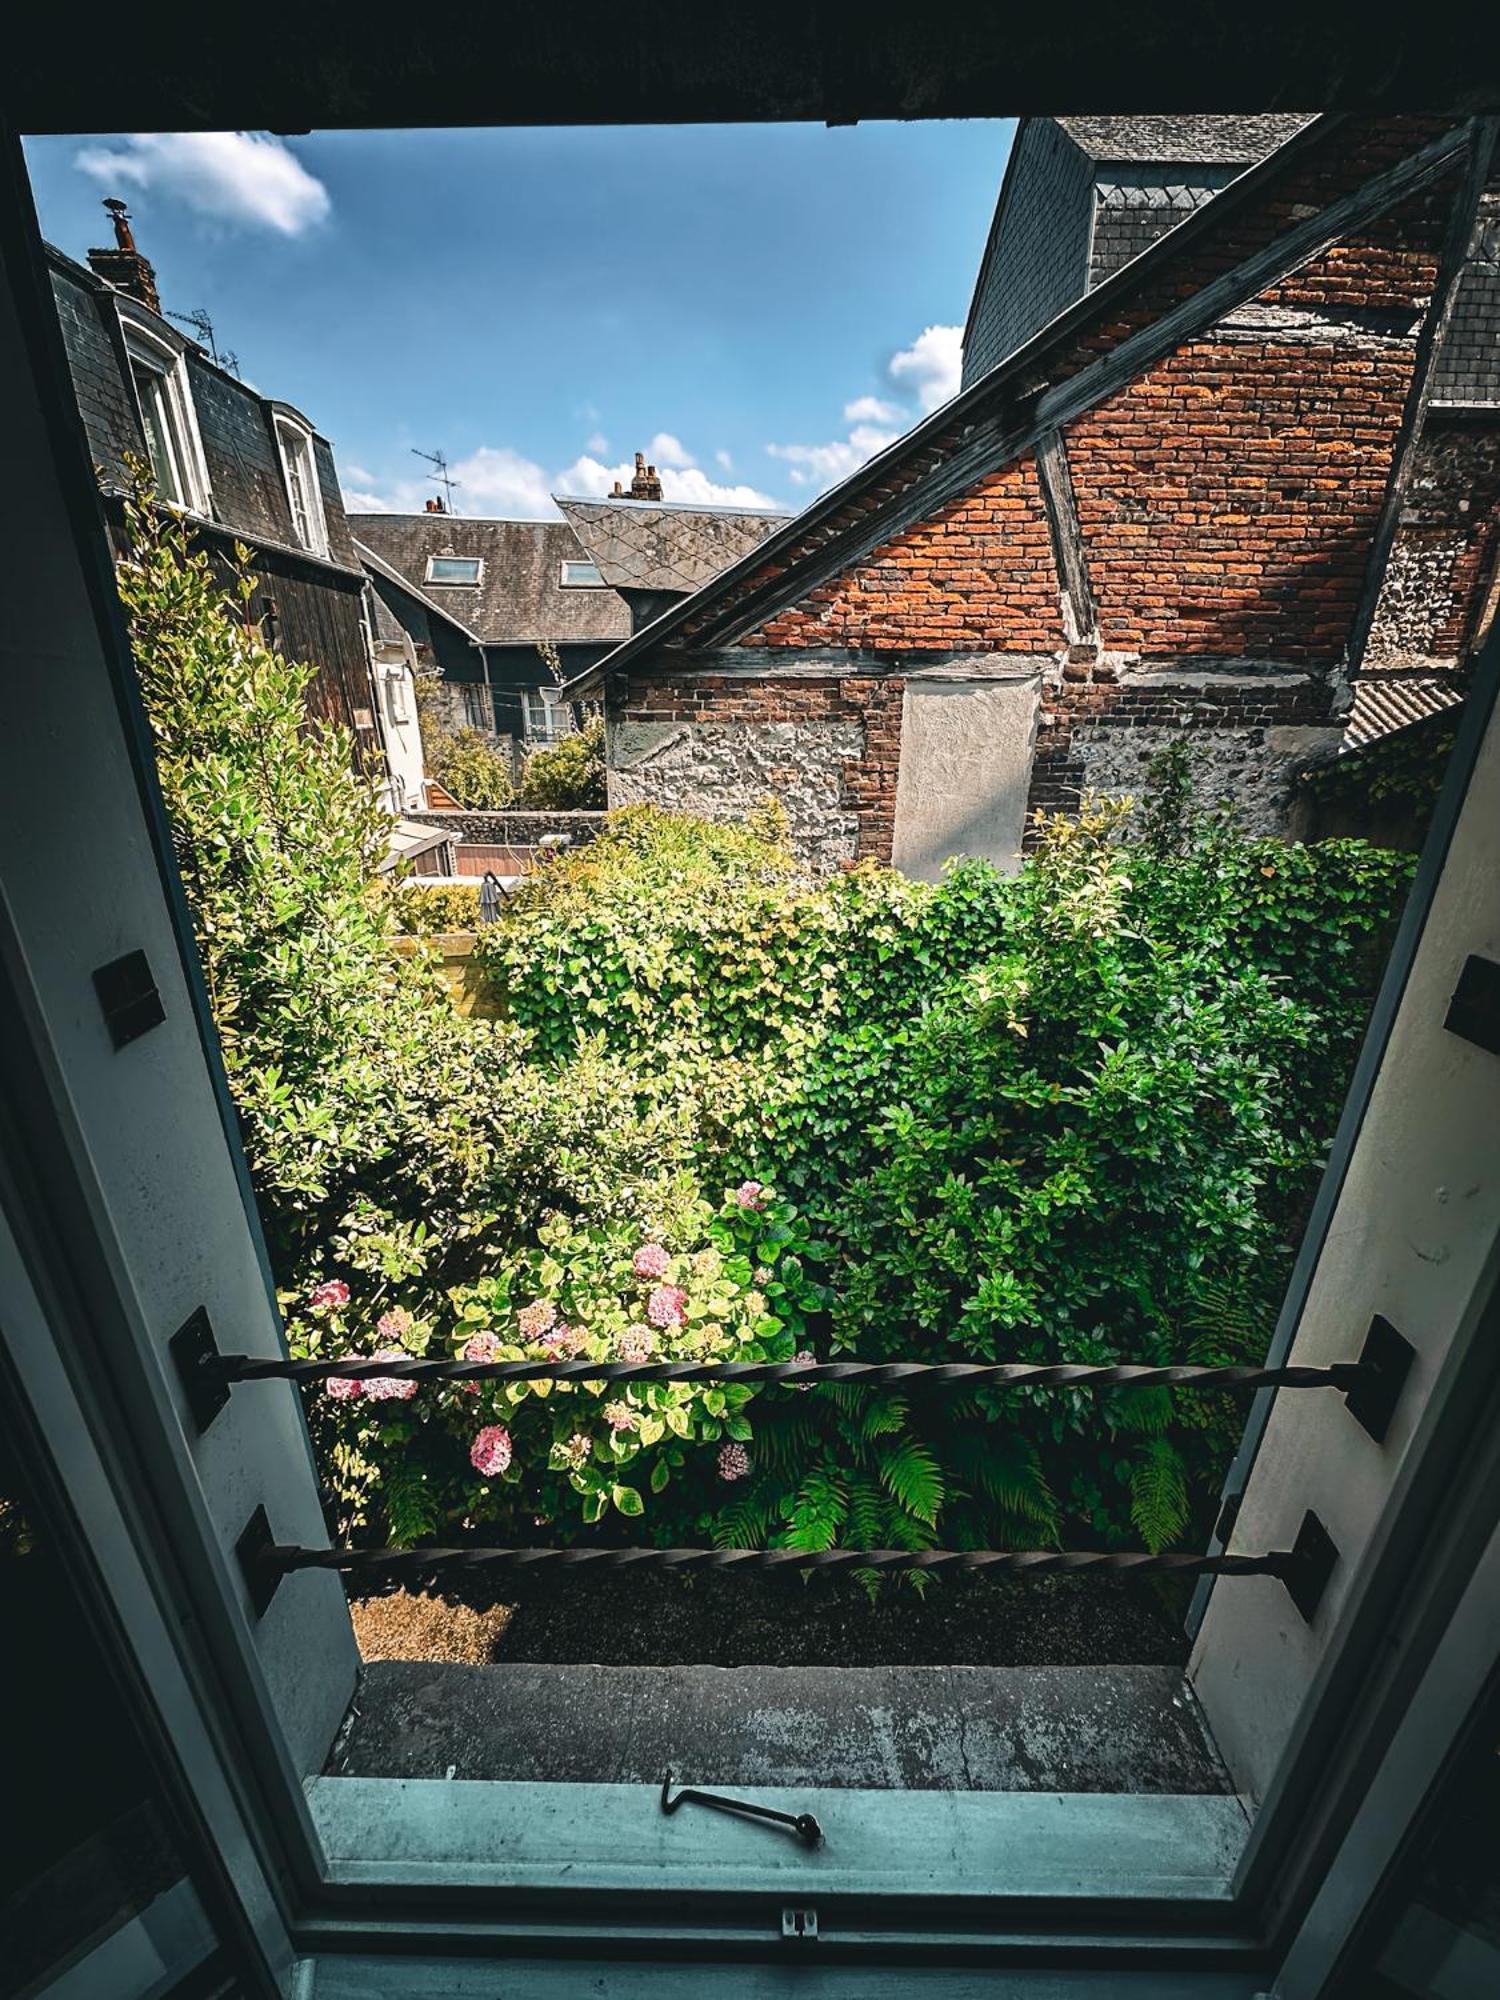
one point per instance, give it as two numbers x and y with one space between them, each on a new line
581 576
454 569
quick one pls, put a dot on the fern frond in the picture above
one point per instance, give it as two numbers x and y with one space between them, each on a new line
1158 1493
910 1474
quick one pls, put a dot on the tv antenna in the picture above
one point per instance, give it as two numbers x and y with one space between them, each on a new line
440 475
203 326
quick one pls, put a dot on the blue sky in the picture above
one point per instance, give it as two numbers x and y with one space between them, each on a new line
762 306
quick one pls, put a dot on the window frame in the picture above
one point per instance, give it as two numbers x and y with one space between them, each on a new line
95 1436
295 442
149 352
566 582
455 582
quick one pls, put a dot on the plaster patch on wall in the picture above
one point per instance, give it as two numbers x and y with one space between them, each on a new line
724 770
1254 769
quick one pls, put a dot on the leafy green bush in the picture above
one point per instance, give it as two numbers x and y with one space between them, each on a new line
429 909
473 768
1069 1115
567 776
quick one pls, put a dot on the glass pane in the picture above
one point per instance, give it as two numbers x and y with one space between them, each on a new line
153 396
453 569
575 573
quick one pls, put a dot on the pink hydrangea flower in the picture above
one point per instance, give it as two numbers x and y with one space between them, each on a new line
750 1194
665 1306
650 1261
562 1343
481 1347
636 1343
579 1449
343 1388
334 1293
734 1461
389 1388
395 1324
620 1417
490 1453
802 1354
535 1319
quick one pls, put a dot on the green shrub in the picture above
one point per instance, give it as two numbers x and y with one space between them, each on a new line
567 776
473 768
421 908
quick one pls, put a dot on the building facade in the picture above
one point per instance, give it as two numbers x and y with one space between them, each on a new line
501 613
1199 501
240 467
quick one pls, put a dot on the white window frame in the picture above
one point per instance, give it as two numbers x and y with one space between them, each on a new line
396 705
453 582
533 702
566 582
294 445
148 353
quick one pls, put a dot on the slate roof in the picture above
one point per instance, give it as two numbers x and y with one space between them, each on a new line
1384 703
520 597
662 545
1205 137
387 625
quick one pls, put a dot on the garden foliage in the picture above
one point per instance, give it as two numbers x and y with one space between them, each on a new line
1074 1114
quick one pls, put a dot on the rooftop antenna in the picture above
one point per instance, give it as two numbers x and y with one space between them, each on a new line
440 475
203 326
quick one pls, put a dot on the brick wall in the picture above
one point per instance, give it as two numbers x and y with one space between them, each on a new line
1227 498
979 574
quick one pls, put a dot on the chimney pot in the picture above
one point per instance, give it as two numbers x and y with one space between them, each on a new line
123 266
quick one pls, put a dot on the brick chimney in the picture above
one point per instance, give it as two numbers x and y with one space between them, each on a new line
124 267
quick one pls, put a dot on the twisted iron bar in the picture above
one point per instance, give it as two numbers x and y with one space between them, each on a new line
1344 1375
279 1558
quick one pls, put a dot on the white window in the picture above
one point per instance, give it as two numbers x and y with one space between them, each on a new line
454 569
547 721
478 713
159 374
581 576
395 697
300 470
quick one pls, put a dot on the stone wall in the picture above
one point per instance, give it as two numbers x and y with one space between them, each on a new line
827 749
1442 565
514 828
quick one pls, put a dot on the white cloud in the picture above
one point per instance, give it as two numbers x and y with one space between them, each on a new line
597 445
820 465
359 475
493 481
931 366
666 450
873 410
237 177
589 477
724 462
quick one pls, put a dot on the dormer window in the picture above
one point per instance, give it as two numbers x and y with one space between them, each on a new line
158 373
300 471
454 569
581 576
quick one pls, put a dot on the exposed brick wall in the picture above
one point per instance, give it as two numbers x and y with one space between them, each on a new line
872 703
978 574
1337 163
1228 497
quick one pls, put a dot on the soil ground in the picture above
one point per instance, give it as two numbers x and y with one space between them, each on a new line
728 1620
